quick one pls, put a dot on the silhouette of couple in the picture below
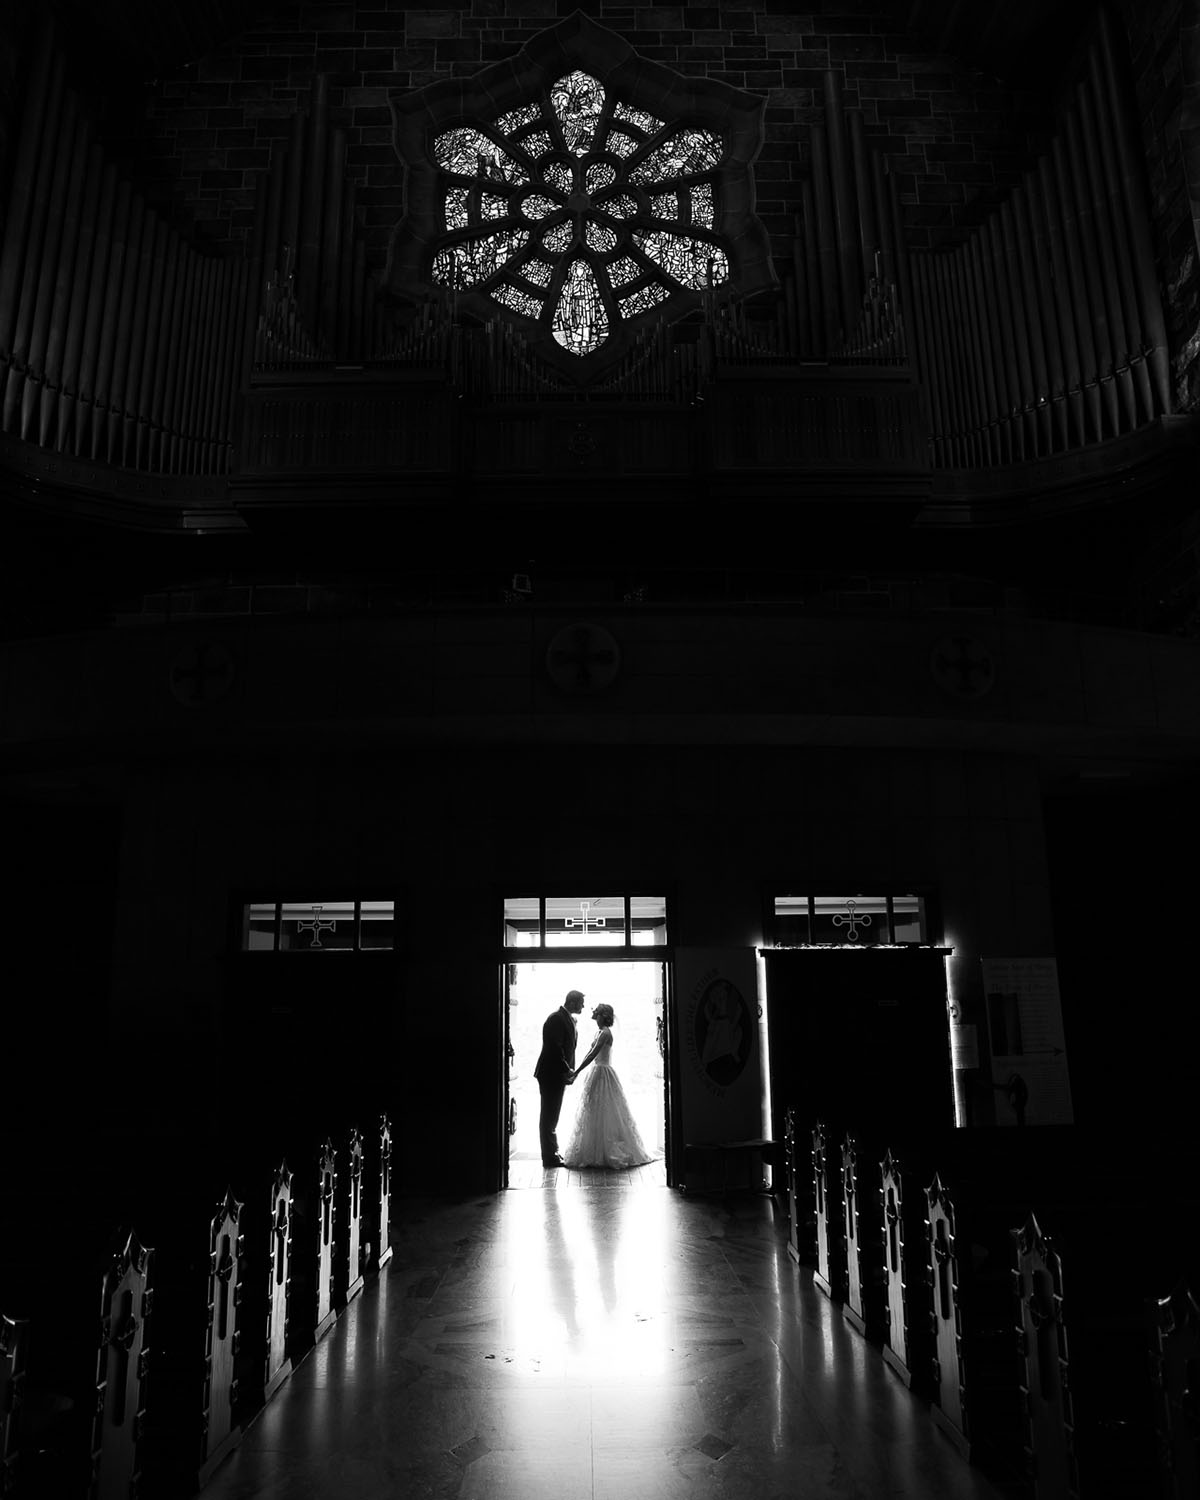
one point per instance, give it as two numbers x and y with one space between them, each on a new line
605 1133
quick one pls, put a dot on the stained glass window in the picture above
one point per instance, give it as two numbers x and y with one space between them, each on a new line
585 921
589 196
861 919
318 926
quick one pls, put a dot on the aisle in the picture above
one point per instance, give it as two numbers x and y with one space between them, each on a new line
593 1345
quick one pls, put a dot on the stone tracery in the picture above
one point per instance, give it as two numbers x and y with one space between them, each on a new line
599 224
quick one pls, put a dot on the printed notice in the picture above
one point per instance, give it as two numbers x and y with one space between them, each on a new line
1026 1043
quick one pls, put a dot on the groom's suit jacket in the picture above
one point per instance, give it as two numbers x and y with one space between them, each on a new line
557 1057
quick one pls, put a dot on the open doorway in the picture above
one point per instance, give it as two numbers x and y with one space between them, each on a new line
636 989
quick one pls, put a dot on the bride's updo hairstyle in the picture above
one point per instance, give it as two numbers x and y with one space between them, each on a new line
605 1015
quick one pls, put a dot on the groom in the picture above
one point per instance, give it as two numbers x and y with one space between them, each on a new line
555 1069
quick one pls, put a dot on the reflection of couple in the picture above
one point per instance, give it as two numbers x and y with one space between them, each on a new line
605 1133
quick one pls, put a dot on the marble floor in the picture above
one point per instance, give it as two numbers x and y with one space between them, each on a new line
593 1339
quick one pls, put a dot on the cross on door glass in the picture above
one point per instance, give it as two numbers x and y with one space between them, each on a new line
311 925
594 921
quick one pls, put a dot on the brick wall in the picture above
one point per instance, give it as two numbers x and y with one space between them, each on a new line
955 137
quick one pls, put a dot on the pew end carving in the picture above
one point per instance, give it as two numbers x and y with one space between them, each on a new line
279 1283
1044 1368
1174 1367
830 1273
355 1281
906 1341
863 1308
949 1409
383 1225
220 1433
791 1160
122 1367
14 1346
326 1313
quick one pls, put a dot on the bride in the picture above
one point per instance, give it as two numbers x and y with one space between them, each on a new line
604 1133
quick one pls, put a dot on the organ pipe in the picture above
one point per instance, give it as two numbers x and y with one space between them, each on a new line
1088 234
61 403
25 171
116 336
120 341
31 251
842 185
1085 328
1109 274
1050 311
827 249
1132 193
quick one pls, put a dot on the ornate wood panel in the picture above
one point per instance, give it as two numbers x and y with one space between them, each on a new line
126 1303
279 1366
222 1335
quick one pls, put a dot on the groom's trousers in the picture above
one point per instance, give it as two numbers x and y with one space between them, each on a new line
552 1090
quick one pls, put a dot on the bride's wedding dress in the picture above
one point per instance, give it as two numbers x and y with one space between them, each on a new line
604 1133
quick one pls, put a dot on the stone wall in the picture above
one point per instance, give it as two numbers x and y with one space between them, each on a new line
955 137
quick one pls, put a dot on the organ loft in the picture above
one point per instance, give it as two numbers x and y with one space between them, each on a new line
695 504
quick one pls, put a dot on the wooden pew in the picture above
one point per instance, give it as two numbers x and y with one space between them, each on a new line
862 1242
829 1275
279 1283
1098 1301
220 1432
1174 1361
14 1343
907 1349
383 1222
326 1218
351 1279
126 1307
950 1403
797 1242
1046 1385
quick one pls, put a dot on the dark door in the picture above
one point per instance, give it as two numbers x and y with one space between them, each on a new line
860 1039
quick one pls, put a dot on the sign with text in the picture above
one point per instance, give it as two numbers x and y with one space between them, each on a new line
720 1067
1026 1043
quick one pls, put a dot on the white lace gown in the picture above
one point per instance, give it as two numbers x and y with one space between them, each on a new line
604 1133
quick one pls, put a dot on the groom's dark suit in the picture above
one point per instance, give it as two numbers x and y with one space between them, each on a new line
555 1064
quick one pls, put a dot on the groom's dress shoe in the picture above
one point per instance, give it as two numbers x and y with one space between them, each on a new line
554 1161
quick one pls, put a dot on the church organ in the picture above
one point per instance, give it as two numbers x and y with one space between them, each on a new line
128 349
1044 330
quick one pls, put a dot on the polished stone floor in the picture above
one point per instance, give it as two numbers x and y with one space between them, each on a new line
588 1339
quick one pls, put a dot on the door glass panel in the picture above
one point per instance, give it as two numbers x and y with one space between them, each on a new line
909 914
311 925
850 919
585 921
259 929
378 924
791 921
648 921
521 922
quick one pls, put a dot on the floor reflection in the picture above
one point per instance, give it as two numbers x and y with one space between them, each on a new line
633 1344
585 1292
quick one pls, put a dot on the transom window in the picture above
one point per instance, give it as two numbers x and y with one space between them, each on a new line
318 926
861 919
619 921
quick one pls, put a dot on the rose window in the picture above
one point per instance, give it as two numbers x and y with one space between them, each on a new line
579 212
579 189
